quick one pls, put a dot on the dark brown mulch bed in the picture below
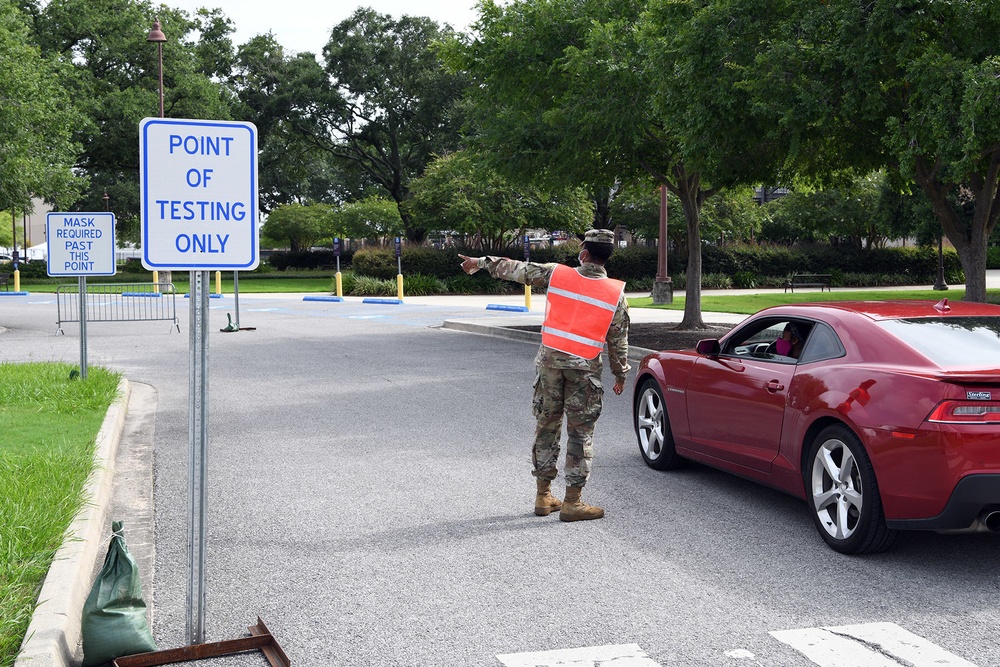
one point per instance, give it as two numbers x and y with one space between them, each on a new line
664 336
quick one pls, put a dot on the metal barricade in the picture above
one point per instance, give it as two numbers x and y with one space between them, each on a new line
118 302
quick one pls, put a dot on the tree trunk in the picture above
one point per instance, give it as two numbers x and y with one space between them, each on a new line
692 290
970 241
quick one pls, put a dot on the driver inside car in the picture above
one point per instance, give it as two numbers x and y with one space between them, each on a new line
790 343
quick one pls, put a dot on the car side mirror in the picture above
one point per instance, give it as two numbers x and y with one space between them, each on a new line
709 347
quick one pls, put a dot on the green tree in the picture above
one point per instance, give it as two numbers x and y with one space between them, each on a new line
291 169
383 103
460 192
910 86
373 218
596 92
111 71
37 117
302 225
862 213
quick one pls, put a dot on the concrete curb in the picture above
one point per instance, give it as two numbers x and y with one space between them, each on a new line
53 636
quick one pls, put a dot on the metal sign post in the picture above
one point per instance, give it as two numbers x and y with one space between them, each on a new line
80 244
527 258
399 268
198 454
83 327
236 295
198 197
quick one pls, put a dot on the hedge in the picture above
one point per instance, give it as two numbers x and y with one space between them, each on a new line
743 264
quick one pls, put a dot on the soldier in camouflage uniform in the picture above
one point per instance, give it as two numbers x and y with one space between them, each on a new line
569 383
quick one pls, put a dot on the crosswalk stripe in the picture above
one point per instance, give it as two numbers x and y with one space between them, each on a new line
868 645
619 655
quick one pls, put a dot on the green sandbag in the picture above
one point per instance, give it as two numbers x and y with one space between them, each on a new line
114 615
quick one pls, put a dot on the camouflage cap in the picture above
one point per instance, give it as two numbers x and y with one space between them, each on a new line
599 236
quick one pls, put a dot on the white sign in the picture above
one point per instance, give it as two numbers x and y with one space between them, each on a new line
80 244
198 192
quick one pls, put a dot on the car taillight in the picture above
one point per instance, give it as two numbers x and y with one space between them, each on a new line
965 412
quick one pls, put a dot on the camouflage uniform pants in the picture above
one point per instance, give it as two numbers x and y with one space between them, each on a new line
578 394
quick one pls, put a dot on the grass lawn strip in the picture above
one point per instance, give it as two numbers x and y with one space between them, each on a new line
48 424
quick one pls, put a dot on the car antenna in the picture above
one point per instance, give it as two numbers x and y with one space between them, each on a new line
942 305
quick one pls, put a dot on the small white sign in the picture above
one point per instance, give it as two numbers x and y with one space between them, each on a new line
198 194
80 244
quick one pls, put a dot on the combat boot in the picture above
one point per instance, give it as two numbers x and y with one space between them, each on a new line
545 502
574 509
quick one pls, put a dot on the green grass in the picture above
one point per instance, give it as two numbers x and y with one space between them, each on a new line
747 304
49 425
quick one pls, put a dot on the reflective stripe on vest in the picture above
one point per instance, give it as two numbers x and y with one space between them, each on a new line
578 312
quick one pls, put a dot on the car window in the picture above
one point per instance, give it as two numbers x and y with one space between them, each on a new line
758 340
952 341
821 343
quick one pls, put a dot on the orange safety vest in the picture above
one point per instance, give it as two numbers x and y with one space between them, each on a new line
578 312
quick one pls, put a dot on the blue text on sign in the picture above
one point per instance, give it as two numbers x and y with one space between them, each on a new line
200 145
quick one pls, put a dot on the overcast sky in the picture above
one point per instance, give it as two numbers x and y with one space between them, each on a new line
304 25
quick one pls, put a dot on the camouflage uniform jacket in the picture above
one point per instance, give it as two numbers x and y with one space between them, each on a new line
538 275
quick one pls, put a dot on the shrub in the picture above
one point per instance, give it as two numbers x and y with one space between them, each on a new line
369 286
421 285
308 259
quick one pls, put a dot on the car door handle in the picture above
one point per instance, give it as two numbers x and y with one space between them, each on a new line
774 386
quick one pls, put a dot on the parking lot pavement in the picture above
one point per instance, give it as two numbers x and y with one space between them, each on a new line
143 350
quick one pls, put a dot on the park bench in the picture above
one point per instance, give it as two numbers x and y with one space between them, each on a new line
5 279
819 280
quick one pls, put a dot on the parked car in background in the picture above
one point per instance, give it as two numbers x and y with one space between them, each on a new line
888 419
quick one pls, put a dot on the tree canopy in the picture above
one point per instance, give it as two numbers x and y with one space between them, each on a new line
462 193
913 87
37 120
383 102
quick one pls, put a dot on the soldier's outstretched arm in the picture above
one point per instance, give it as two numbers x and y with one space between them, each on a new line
526 273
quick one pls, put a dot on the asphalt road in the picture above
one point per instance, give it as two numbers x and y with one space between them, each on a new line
370 499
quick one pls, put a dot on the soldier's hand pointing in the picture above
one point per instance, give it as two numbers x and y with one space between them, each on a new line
470 264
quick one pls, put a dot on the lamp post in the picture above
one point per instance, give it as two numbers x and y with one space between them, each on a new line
106 198
940 284
156 35
663 288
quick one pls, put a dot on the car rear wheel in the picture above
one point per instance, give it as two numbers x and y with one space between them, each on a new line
843 494
652 428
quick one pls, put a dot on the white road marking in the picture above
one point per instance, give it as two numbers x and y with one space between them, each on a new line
614 655
868 645
740 653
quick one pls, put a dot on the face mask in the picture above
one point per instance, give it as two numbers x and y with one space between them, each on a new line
579 257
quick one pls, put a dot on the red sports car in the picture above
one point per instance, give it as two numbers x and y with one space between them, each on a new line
882 415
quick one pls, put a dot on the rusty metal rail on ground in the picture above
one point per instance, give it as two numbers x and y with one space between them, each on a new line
260 639
118 302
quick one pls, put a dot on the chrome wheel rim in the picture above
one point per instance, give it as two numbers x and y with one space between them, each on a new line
649 423
837 494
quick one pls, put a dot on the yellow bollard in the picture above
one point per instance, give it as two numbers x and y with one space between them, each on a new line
399 286
527 297
218 282
17 280
340 285
156 281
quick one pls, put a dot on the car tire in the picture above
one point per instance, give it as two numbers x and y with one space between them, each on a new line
652 428
843 494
